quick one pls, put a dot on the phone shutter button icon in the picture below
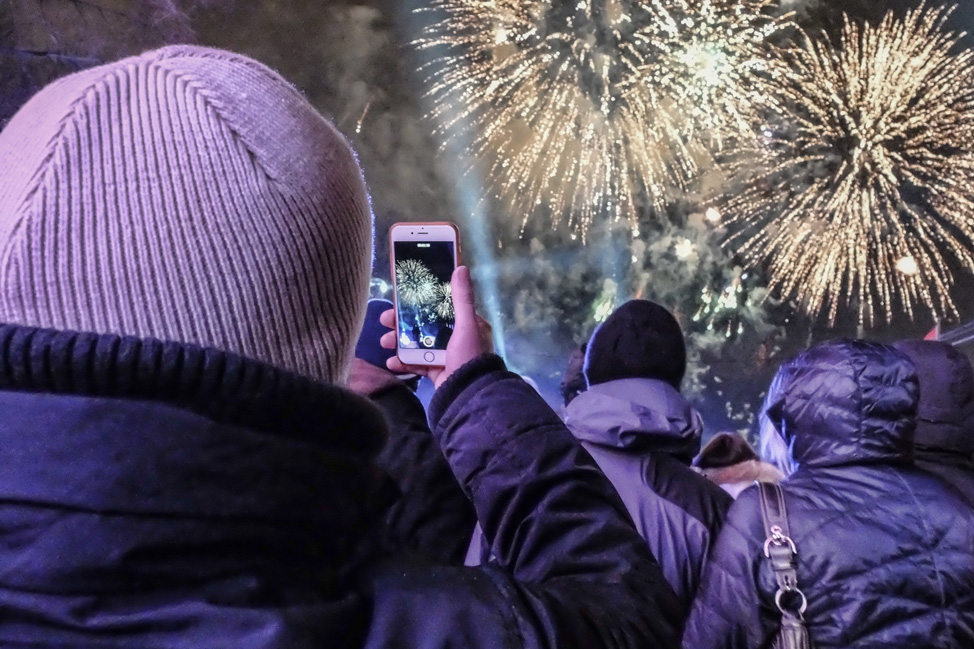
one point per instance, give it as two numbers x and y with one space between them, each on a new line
428 357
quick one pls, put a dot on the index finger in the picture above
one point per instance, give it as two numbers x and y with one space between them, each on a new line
462 291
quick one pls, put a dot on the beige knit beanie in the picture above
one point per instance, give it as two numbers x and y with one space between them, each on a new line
191 195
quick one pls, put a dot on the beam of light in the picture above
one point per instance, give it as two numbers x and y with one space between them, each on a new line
476 236
868 159
587 110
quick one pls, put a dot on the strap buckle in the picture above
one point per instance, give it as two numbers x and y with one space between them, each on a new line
778 539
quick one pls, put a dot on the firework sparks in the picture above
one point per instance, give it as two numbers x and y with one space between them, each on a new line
568 103
415 283
714 57
444 301
868 159
724 308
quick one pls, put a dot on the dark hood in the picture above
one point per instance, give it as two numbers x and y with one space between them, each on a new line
945 416
638 415
847 402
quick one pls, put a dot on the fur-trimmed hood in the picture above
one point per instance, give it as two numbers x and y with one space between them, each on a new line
737 477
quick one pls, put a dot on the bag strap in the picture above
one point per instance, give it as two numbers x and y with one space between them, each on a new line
782 551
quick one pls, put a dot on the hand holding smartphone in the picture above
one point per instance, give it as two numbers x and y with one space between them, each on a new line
471 338
423 258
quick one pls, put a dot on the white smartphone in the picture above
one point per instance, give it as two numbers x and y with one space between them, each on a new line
423 257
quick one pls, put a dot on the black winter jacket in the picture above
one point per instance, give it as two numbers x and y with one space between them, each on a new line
944 442
643 435
885 551
161 495
432 516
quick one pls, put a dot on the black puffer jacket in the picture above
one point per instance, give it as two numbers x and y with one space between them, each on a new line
432 515
885 550
162 495
643 435
944 441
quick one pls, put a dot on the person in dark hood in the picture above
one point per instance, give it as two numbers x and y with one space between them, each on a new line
643 434
885 551
185 251
944 442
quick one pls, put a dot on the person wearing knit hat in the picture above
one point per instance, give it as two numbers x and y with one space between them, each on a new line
185 248
643 434
640 339
156 199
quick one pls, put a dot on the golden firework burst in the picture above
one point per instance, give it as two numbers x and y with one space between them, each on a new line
864 182
415 282
583 110
714 57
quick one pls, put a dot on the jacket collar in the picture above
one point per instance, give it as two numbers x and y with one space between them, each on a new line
176 461
636 414
218 385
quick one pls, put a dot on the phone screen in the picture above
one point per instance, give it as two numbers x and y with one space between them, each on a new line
424 299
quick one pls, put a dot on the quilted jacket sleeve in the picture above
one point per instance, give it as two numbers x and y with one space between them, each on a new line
571 572
433 516
730 611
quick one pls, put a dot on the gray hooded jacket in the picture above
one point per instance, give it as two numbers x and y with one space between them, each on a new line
643 435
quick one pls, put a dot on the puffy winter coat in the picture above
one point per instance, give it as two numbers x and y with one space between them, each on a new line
162 495
432 516
643 435
885 550
944 441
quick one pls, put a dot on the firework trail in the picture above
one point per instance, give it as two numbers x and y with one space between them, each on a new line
415 283
867 171
570 106
444 301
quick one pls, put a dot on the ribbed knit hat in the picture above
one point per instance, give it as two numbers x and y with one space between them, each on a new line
191 195
640 339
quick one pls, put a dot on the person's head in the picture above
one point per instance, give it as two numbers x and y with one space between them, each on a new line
723 450
190 195
367 347
945 415
573 382
640 339
847 402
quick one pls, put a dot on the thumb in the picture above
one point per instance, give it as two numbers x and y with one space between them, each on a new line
463 302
